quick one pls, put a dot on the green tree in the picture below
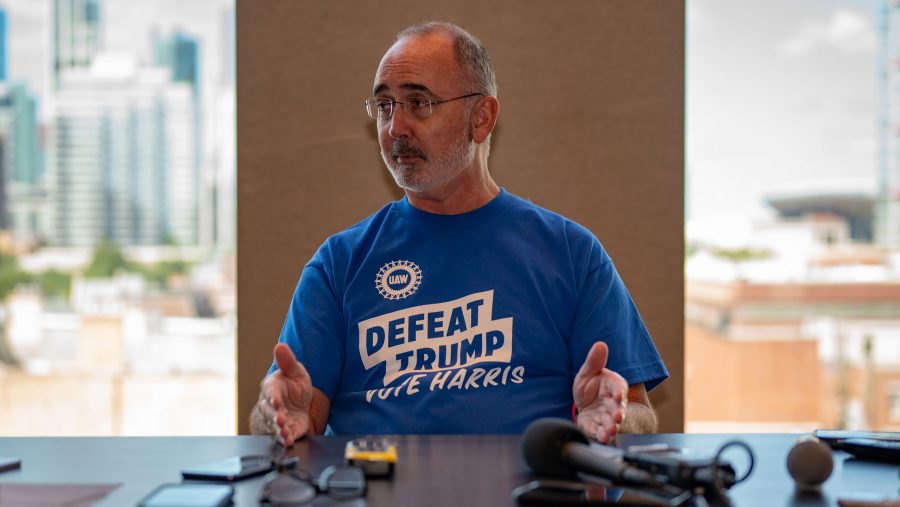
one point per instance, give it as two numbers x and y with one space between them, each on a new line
55 283
107 260
10 274
160 273
738 255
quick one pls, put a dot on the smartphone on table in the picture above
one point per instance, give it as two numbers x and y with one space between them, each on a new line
230 469
189 494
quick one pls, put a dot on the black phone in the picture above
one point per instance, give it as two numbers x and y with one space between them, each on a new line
234 468
561 493
193 494
9 464
835 438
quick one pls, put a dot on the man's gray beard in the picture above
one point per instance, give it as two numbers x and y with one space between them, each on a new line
435 171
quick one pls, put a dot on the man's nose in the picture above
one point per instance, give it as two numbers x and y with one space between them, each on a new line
400 123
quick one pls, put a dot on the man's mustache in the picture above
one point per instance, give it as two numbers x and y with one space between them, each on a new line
403 149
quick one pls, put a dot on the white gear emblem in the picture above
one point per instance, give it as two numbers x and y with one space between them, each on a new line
398 279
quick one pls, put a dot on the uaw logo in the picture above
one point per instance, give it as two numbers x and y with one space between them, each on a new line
436 337
398 279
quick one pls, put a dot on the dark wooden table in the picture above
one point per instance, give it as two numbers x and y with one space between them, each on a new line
432 471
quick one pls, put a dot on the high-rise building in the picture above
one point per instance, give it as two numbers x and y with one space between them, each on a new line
888 207
180 53
76 34
4 51
123 141
20 158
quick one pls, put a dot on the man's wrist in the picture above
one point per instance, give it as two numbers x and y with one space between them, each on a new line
638 418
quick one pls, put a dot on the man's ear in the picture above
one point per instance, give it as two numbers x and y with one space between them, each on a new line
484 118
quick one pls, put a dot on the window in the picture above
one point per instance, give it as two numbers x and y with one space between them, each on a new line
117 226
793 230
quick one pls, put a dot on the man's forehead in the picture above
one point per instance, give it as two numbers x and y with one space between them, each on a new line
417 63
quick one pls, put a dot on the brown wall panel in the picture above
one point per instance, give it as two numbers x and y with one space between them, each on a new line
591 126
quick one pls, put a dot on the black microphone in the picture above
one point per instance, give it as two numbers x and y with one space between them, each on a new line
556 447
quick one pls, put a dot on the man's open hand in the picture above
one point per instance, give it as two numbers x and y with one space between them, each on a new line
600 396
285 398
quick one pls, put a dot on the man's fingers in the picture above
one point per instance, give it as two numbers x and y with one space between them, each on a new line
287 362
595 361
281 426
267 409
600 395
292 429
274 421
270 391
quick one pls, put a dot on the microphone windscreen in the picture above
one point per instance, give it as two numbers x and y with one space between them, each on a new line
810 462
543 444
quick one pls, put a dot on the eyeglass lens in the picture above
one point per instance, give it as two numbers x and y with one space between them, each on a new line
384 109
343 481
286 489
295 488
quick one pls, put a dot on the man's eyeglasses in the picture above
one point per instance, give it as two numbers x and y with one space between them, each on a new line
382 108
288 486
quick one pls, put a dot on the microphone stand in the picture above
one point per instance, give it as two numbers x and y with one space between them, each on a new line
667 494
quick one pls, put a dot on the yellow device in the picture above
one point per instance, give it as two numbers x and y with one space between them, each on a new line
376 456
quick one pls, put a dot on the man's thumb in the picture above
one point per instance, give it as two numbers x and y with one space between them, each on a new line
595 360
287 362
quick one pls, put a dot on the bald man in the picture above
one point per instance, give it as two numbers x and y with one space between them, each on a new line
460 308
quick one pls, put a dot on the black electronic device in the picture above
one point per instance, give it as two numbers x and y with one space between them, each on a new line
234 468
9 464
684 469
189 494
886 451
559 493
836 438
557 448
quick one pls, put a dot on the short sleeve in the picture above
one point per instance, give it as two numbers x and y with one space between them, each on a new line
314 328
605 312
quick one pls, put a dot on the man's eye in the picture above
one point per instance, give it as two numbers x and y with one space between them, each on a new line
383 105
419 103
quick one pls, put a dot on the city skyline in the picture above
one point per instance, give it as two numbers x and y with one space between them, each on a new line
130 159
127 27
798 82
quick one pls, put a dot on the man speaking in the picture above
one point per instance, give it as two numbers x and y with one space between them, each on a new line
460 308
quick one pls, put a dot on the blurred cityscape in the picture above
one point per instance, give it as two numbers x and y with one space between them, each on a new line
793 323
117 229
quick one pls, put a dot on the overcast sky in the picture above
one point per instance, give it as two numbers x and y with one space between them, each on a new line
781 94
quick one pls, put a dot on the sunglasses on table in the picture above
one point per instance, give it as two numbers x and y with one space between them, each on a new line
289 486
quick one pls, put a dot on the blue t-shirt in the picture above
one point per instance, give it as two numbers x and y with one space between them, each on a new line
412 322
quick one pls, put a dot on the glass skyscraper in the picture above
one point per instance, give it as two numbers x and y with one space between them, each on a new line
20 158
76 34
180 53
123 142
